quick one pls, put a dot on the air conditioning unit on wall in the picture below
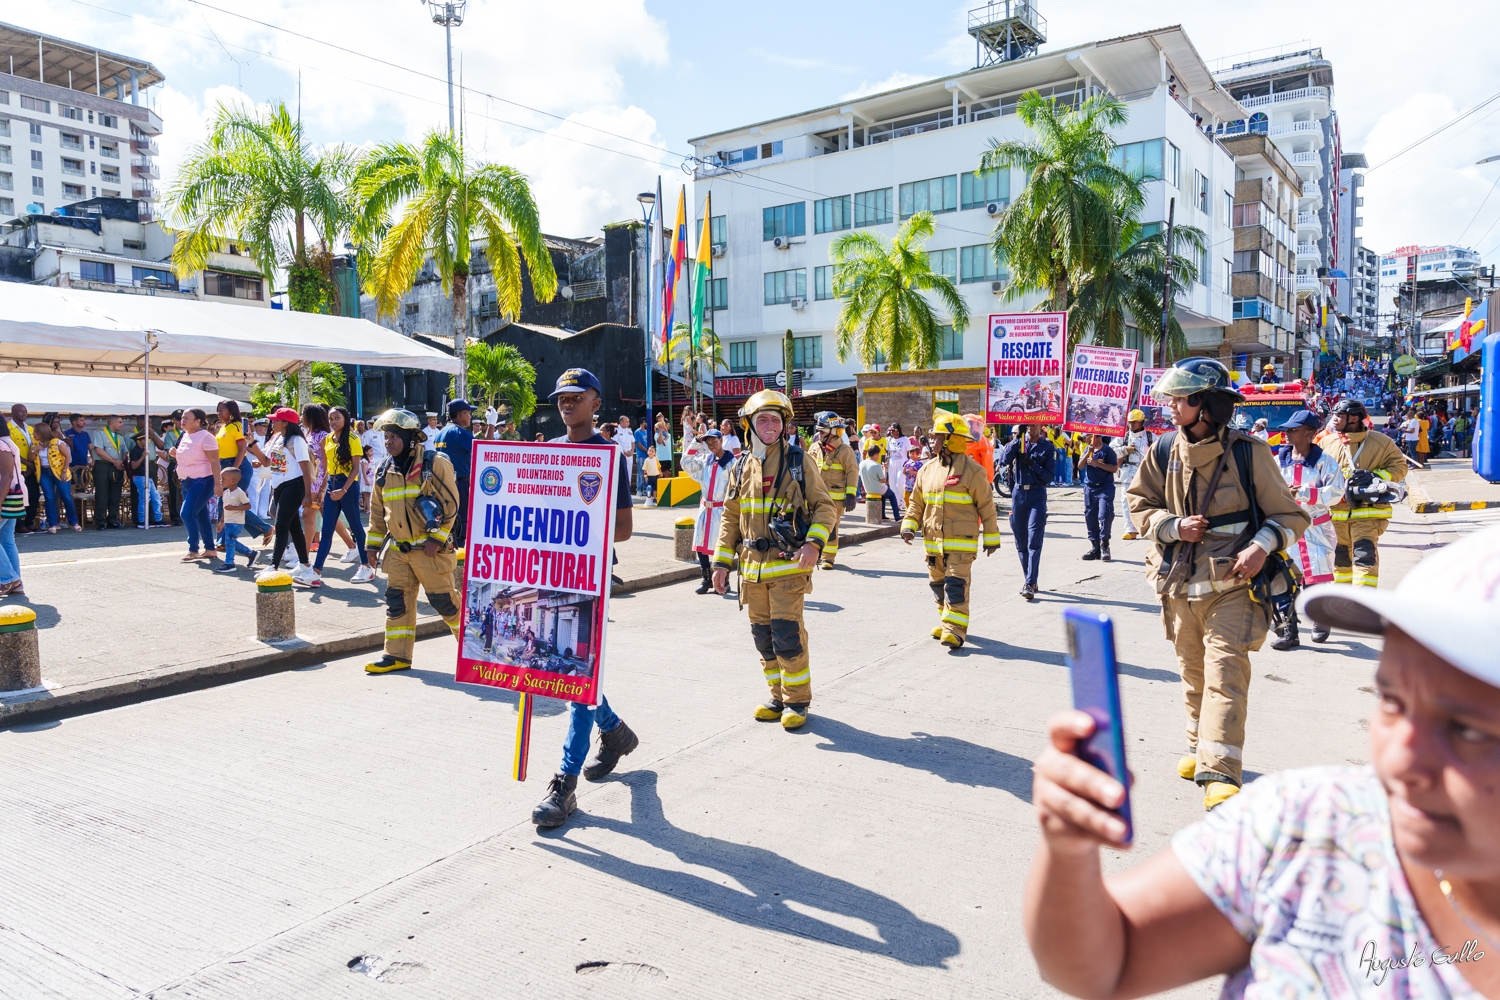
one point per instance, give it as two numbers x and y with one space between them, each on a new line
718 249
997 287
994 208
799 304
781 243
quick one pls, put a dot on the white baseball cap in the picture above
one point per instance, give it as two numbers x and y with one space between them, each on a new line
1450 603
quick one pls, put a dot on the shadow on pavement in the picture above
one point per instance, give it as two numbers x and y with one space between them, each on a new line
46 615
441 679
956 761
780 891
877 573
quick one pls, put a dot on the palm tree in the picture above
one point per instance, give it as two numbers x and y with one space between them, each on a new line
1127 288
257 181
1064 223
327 387
886 318
500 372
704 353
445 200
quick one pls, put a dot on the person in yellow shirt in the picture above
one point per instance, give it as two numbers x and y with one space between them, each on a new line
345 459
21 435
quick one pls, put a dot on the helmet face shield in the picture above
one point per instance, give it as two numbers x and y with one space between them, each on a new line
397 419
1182 382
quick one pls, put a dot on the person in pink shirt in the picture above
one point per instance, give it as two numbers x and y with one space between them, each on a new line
197 455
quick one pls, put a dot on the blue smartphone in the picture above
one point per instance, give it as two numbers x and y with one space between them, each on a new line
1096 690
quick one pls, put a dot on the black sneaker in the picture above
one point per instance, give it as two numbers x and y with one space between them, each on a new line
612 745
561 801
1028 592
1090 555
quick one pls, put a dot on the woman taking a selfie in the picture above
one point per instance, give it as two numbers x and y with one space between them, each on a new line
1380 881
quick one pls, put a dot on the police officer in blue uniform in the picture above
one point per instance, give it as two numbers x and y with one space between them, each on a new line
1033 462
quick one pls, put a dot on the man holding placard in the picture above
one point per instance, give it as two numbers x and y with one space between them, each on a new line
578 395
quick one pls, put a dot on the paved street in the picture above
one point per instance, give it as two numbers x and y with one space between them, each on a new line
324 833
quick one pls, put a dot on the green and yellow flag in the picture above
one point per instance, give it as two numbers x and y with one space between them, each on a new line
701 266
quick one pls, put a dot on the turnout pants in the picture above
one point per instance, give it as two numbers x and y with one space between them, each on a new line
1214 637
404 572
1028 523
1356 557
831 549
948 576
781 636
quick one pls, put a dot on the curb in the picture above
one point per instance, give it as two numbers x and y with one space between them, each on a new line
273 660
1420 502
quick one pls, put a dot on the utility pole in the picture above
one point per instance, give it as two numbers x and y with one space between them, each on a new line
1166 282
449 14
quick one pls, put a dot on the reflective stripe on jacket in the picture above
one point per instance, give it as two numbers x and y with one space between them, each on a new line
951 504
754 497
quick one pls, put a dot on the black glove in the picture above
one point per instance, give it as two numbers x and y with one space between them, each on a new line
1360 478
848 504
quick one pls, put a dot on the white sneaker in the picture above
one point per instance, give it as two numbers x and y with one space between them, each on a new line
363 575
290 562
350 556
307 577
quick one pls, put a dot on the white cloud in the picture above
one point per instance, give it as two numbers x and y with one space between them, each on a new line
564 59
896 80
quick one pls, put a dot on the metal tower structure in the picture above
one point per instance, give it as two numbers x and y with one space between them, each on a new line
450 14
1004 30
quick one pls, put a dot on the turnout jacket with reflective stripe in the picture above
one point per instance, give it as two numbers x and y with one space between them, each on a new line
839 467
1159 498
393 501
1378 454
750 503
951 504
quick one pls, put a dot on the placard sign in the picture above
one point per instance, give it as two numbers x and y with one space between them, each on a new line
1024 368
537 565
1099 390
1158 420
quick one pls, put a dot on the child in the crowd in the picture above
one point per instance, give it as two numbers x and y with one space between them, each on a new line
651 469
235 502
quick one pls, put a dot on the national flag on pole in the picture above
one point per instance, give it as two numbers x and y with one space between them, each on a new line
701 268
676 258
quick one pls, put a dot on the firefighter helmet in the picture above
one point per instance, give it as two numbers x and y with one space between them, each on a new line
944 422
768 399
1194 375
1136 415
397 419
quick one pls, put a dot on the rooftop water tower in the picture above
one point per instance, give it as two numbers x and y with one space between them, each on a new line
1006 30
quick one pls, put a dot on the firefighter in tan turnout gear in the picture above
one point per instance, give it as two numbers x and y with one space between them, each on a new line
1214 501
1374 471
952 505
412 510
777 518
840 471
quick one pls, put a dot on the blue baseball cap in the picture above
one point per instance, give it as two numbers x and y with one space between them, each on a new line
576 380
1302 418
713 432
458 406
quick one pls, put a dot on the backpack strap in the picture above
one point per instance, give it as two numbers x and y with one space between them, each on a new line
1162 449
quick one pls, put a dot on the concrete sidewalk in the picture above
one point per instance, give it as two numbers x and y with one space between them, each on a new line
1450 484
120 616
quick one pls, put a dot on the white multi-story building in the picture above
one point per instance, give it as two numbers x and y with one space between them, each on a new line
784 189
75 124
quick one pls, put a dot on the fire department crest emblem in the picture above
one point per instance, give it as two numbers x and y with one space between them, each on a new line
588 485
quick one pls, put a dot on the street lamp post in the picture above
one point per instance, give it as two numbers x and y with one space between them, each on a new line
648 206
450 15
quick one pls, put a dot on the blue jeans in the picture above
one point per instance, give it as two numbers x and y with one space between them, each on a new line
1099 512
196 493
232 544
581 730
10 567
348 505
57 491
254 523
146 486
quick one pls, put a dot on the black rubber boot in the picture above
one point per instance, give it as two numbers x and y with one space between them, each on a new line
1091 553
1288 633
1104 553
612 745
707 586
561 801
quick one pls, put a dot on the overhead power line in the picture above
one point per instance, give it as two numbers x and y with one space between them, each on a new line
1441 128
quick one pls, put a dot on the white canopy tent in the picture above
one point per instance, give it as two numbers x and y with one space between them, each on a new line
98 396
72 332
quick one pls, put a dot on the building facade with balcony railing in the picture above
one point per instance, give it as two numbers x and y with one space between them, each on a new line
66 109
785 189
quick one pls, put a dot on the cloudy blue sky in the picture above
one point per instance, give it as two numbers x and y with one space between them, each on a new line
655 72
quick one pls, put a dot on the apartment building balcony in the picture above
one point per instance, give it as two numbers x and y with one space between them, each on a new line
1309 222
143 192
1314 99
76 145
1299 133
1254 335
144 168
72 171
141 144
1307 282
1309 165
1308 251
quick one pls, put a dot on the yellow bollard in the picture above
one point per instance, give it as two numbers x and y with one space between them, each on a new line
682 538
275 609
20 661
